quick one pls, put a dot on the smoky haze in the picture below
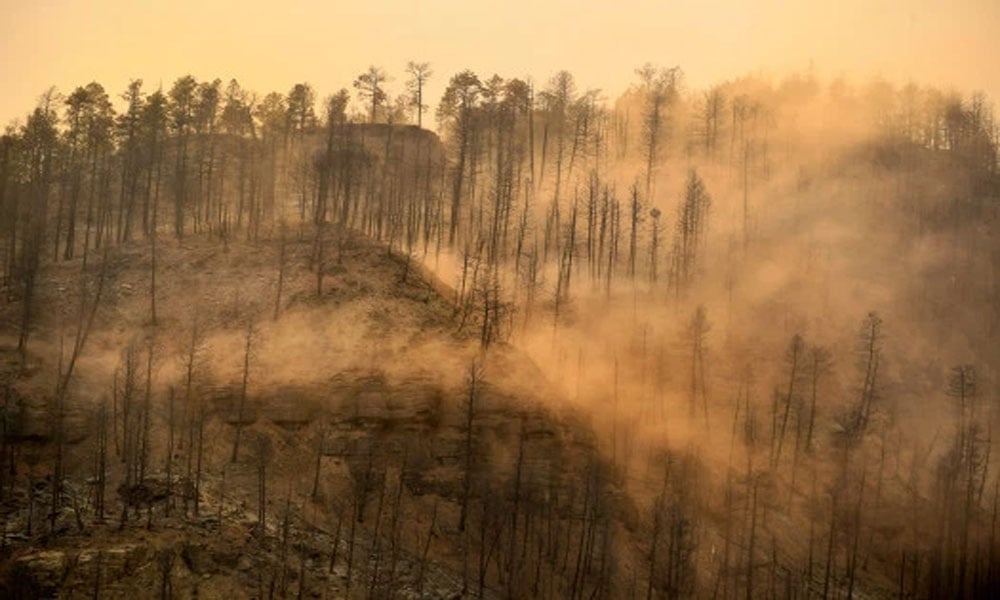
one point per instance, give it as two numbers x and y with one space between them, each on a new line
572 300
271 45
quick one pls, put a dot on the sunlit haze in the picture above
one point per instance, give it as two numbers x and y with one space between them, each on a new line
479 299
272 45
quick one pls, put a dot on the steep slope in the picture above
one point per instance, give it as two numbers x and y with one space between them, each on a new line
366 424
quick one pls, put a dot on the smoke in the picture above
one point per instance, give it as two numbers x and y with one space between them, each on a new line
844 216
808 262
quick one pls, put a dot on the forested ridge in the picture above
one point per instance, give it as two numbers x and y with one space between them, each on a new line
726 342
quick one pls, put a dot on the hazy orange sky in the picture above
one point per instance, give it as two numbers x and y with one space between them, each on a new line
271 45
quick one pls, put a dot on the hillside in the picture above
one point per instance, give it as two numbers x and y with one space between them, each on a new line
356 406
732 342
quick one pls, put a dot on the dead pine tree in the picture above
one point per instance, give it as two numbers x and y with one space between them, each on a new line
475 379
281 271
263 457
114 413
395 528
166 563
853 551
30 263
655 540
145 416
512 565
336 537
129 444
793 358
751 544
199 458
98 572
426 549
222 496
819 366
376 545
247 354
614 414
193 415
490 530
102 461
967 469
869 362
696 337
7 460
659 86
830 545
170 451
635 218
363 477
320 264
321 442
654 247
722 578
152 272
690 232
286 523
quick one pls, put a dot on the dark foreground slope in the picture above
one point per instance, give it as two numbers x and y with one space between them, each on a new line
366 421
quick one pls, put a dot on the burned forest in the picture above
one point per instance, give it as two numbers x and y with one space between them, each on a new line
445 333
